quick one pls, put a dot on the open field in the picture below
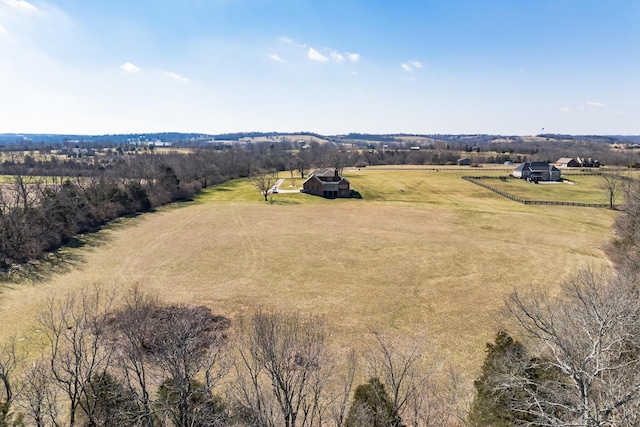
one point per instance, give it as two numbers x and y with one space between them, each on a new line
422 251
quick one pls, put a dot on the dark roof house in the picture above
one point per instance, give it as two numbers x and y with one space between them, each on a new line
537 171
567 162
327 183
588 163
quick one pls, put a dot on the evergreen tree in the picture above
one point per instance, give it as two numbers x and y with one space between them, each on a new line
493 404
200 408
372 407
109 403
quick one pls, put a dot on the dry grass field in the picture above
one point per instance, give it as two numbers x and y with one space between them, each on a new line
422 251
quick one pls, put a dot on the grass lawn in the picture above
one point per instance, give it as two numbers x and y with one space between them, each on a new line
580 188
422 251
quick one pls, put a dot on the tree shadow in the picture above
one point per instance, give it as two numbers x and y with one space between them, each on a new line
284 202
72 253
69 256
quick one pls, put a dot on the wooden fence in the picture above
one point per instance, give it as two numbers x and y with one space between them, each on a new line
477 180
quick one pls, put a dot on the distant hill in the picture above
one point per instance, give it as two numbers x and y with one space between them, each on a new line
194 139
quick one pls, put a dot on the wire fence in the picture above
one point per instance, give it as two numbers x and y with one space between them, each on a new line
477 180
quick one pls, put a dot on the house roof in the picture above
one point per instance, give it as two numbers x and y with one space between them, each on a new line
324 172
536 166
565 160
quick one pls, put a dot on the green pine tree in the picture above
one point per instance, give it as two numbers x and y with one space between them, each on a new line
372 407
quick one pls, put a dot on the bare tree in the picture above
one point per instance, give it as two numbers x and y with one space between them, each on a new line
613 184
625 248
302 161
26 190
585 353
249 390
175 349
340 401
184 342
400 365
10 358
74 330
337 158
282 362
264 183
130 330
39 398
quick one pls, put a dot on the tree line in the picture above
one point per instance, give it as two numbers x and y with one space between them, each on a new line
567 359
98 359
45 203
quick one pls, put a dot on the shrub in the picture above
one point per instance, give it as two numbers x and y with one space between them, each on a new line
372 407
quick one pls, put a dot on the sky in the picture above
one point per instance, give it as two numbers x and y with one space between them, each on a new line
511 67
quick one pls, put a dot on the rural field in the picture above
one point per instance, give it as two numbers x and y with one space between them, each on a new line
423 251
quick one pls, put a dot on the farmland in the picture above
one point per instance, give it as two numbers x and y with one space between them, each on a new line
422 251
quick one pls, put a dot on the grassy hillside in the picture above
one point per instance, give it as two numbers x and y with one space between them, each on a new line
422 251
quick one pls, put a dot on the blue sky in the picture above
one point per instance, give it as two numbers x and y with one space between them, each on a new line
329 66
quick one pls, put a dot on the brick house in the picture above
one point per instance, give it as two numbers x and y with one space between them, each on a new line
327 183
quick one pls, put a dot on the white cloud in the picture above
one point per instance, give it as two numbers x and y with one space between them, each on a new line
314 55
326 54
3 30
594 104
128 67
276 57
353 57
175 76
20 4
565 109
336 56
340 57
411 65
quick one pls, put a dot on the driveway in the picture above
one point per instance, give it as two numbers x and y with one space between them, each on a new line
276 188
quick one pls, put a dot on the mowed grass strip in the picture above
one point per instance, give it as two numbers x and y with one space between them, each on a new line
420 252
